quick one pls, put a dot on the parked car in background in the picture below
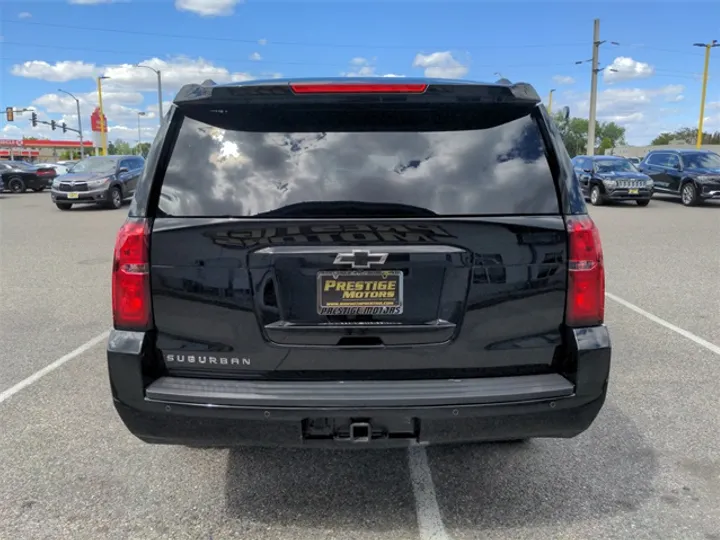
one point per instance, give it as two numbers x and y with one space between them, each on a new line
101 180
19 176
634 160
692 175
612 178
59 169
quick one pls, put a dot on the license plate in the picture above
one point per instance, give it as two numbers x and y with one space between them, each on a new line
633 191
73 195
360 293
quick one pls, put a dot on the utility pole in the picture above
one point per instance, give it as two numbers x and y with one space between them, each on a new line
549 107
77 103
593 88
708 46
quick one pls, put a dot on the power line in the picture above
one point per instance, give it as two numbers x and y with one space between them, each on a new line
146 54
291 43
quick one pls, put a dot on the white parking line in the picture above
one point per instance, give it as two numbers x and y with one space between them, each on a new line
10 392
430 523
662 322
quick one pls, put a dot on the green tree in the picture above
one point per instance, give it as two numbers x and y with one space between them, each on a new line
575 134
142 149
687 135
121 148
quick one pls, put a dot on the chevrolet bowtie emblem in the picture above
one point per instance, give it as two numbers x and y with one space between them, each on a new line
360 259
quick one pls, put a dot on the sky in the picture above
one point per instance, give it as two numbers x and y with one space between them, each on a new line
651 84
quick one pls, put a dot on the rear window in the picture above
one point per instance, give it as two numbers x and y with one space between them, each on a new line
297 164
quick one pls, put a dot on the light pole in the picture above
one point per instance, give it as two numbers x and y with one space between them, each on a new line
103 135
550 101
159 89
708 46
140 113
77 102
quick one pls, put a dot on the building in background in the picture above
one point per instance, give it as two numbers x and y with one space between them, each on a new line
34 150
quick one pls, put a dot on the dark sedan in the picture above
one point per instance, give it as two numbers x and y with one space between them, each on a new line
612 178
19 176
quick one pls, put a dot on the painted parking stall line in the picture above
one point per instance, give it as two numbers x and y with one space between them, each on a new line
430 523
10 392
662 322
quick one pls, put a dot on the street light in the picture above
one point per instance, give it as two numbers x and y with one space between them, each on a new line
77 102
103 135
708 46
159 85
550 101
140 113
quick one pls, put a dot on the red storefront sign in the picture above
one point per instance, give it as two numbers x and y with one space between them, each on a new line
11 143
95 120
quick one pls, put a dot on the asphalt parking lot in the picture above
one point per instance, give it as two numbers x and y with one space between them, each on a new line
649 468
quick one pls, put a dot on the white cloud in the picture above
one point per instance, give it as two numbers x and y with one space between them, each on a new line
24 15
441 65
175 73
208 8
563 79
639 110
363 67
58 72
624 68
255 56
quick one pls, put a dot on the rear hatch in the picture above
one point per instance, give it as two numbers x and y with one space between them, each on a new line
378 234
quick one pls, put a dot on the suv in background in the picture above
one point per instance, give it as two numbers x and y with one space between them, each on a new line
102 180
612 178
692 175
357 262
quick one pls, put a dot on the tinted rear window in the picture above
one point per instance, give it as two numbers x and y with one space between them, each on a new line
324 166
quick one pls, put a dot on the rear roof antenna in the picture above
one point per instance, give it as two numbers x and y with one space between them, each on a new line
503 81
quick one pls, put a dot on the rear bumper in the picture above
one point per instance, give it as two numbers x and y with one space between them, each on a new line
395 413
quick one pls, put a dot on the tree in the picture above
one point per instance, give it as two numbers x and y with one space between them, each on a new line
575 133
687 135
120 148
142 149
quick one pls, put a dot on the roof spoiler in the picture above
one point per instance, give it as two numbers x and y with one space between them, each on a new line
439 91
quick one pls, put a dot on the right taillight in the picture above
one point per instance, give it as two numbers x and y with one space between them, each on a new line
131 277
586 274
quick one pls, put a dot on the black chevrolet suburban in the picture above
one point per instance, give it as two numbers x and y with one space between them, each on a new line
357 263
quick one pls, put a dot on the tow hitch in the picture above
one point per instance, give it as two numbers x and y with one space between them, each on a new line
359 430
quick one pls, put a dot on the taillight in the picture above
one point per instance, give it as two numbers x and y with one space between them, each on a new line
586 274
358 88
131 277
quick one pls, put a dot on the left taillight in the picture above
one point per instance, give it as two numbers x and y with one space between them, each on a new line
131 277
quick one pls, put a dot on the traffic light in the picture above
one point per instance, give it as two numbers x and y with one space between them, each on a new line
33 119
10 113
52 125
64 126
